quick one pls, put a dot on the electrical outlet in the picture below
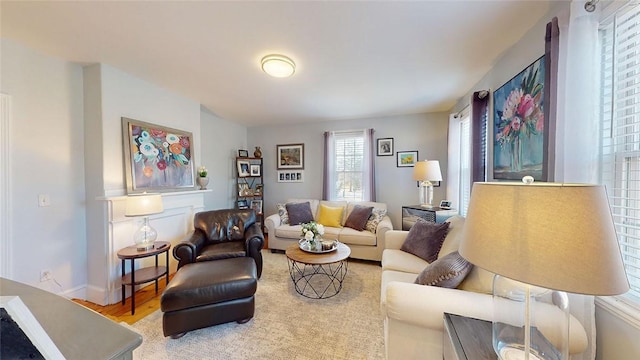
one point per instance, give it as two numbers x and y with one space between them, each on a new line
45 275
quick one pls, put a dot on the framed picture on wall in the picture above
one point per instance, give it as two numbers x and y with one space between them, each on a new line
290 156
406 158
385 147
290 176
157 158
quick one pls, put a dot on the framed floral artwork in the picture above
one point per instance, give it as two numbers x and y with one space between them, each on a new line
406 158
520 134
290 156
157 158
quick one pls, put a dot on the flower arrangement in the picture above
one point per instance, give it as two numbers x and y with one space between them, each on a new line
522 113
312 231
202 171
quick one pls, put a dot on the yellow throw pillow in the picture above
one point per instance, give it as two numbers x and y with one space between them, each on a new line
330 216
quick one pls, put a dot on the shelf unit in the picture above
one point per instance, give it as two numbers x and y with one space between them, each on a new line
250 187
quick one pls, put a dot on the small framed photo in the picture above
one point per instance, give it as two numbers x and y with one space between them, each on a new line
243 153
445 204
244 190
256 205
255 170
290 156
243 168
243 204
385 147
291 176
407 158
258 190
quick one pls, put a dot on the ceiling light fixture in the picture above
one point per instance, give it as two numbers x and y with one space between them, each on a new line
278 65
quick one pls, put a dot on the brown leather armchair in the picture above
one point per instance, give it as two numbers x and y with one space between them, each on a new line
222 234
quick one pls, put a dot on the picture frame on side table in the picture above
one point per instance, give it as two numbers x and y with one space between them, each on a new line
157 158
406 158
385 147
256 205
290 156
243 168
243 204
258 190
243 153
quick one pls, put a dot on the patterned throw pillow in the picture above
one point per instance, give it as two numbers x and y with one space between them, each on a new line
448 271
425 239
374 219
284 216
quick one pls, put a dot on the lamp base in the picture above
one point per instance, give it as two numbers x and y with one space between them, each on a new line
425 193
512 353
145 236
144 247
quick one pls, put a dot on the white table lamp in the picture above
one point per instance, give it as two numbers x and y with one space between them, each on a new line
425 172
144 205
543 236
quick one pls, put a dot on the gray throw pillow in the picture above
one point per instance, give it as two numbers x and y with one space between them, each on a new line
358 217
299 213
448 271
425 239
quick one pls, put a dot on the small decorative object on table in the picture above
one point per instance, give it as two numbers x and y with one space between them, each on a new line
203 180
257 153
312 232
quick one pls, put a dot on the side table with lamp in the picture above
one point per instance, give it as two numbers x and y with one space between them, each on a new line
144 204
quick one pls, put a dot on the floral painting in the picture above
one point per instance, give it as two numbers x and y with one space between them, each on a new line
519 125
156 157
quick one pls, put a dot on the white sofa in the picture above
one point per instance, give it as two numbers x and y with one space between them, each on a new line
364 244
413 314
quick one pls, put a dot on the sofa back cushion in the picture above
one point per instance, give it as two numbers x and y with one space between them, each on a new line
330 216
425 239
313 203
358 217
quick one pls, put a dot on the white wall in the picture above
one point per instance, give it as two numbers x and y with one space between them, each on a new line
47 158
220 142
426 133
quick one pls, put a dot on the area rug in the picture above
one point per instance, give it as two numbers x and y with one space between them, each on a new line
286 325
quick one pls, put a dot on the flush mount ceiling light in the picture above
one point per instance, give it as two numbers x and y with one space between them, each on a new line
278 65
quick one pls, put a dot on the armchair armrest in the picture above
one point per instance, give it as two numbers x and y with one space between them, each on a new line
186 251
395 238
254 242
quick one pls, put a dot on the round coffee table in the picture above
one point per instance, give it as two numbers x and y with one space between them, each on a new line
318 276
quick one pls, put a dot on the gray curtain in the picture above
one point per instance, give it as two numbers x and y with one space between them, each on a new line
551 51
325 167
370 148
479 120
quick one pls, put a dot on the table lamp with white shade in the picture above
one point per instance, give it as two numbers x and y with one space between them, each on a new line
425 172
144 204
541 239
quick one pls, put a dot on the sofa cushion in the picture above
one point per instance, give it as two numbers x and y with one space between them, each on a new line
299 213
452 240
330 216
425 239
447 271
354 237
358 217
289 231
282 212
387 277
398 260
376 216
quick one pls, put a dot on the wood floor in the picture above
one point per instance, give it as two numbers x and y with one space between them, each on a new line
147 301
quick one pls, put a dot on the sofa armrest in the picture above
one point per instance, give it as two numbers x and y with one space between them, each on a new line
394 239
381 230
425 306
186 251
271 222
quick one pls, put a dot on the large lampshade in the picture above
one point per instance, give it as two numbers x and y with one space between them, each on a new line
144 205
558 236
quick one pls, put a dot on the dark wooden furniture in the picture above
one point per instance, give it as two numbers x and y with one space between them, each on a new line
79 333
250 191
411 213
146 274
467 338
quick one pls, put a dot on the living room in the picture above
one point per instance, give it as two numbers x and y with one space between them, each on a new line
66 130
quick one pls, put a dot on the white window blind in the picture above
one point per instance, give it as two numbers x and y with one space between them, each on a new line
465 163
620 157
349 166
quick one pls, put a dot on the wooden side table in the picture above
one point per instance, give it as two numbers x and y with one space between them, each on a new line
467 338
411 213
146 274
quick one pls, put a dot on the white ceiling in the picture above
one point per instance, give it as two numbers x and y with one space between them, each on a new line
354 59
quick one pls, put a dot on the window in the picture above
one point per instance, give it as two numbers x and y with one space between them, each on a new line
349 154
465 164
620 145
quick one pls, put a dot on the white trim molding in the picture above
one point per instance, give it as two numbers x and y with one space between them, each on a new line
5 186
617 306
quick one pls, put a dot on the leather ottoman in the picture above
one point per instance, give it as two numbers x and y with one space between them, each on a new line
209 293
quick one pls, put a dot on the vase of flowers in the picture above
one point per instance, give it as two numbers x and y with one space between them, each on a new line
312 232
202 179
